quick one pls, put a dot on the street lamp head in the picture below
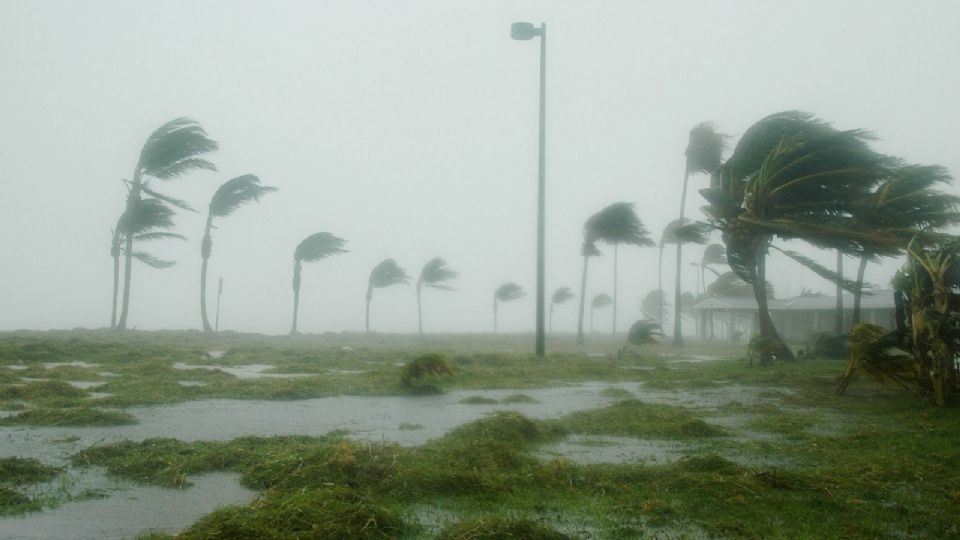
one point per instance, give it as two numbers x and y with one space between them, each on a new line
523 31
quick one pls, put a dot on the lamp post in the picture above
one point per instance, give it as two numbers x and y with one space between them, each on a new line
524 31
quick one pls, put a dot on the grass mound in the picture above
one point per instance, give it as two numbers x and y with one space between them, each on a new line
72 417
500 528
633 418
13 502
19 471
42 392
478 400
317 513
518 398
421 375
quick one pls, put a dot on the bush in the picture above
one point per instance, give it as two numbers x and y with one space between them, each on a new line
419 375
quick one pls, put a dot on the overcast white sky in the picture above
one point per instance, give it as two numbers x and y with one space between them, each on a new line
410 129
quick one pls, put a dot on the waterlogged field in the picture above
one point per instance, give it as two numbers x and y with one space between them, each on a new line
180 435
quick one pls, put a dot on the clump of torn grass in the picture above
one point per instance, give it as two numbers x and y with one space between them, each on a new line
69 417
500 528
18 471
518 398
422 374
633 418
616 393
408 426
478 400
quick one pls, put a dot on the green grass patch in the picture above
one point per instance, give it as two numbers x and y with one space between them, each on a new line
616 393
72 417
500 528
633 418
18 471
478 400
518 398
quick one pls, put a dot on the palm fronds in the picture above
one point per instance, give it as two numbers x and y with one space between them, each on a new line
562 295
435 272
644 332
822 271
387 273
236 192
150 236
151 260
318 246
617 224
173 201
589 249
714 254
705 148
655 305
175 149
601 300
508 292
730 285
144 216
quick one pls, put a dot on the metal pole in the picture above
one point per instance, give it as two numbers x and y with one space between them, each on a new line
540 347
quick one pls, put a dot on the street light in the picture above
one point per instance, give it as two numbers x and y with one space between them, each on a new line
524 31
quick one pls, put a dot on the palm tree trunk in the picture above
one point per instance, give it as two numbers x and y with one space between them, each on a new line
660 287
583 297
296 295
115 253
767 329
369 297
419 312
494 314
591 318
551 317
205 247
838 322
677 318
858 292
615 265
132 200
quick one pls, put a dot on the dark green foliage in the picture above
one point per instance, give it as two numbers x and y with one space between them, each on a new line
387 273
435 272
500 528
704 148
18 471
562 295
174 149
318 246
508 292
601 300
830 345
236 192
421 374
643 332
617 224
13 502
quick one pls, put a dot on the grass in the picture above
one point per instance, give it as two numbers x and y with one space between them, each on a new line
874 463
72 417
17 472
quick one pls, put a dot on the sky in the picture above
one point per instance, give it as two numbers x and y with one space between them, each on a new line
410 130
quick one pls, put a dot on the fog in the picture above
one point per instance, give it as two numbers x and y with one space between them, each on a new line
410 130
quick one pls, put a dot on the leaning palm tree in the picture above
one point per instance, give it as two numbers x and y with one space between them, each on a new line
679 231
313 248
173 150
147 220
434 273
703 155
560 296
599 301
507 292
587 249
230 196
618 224
385 274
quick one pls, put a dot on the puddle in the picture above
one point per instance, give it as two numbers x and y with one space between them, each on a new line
33 379
347 371
127 512
99 395
192 383
85 385
593 449
252 371
18 367
52 365
109 374
693 358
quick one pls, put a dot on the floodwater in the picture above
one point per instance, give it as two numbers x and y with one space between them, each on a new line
128 510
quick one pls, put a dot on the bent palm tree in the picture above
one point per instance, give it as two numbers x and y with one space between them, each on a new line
618 224
587 250
173 150
230 196
385 274
599 301
313 248
703 155
507 292
677 232
147 220
560 296
434 273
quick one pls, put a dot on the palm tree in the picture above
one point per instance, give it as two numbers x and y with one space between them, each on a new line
703 155
790 176
906 197
230 196
713 255
173 150
560 296
587 249
679 231
618 224
654 305
147 220
313 248
599 301
385 274
434 273
507 292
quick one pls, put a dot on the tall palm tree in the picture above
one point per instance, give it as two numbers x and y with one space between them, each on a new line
599 301
173 150
790 176
384 274
434 273
313 248
618 224
587 249
230 196
679 231
703 155
507 292
560 296
147 220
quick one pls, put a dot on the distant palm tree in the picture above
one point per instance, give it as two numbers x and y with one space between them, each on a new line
147 220
587 249
677 232
507 292
434 273
560 296
618 224
599 301
654 306
713 255
230 196
173 150
385 274
313 248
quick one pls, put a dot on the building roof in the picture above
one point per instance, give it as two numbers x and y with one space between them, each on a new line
880 299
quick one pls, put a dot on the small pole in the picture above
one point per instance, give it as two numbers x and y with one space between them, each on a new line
216 325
